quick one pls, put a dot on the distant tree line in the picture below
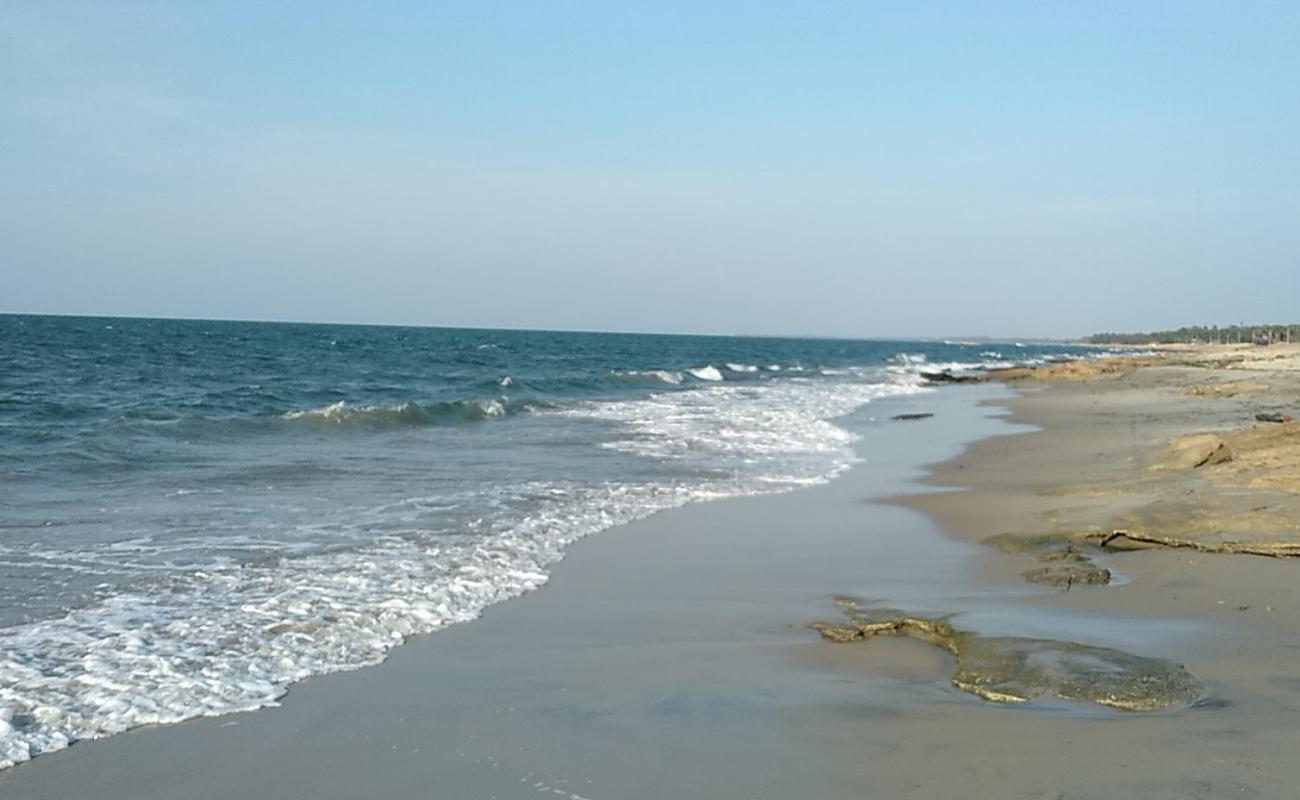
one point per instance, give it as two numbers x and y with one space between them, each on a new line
1202 334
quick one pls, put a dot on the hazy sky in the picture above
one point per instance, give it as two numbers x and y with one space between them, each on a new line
862 169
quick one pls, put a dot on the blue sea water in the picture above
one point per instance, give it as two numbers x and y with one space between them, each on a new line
195 514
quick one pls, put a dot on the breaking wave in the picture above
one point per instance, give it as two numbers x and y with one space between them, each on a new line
343 413
709 373
230 543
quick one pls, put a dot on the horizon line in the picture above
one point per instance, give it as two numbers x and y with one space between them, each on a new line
890 338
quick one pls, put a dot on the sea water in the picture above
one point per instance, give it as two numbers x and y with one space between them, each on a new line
196 514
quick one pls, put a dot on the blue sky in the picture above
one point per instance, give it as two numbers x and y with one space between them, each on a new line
861 169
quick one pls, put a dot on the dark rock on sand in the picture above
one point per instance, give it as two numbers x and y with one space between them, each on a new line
948 377
1067 562
1068 574
1271 416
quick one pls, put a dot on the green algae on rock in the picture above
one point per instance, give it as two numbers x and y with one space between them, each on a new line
1016 669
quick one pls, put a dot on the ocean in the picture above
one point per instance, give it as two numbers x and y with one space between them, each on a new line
196 514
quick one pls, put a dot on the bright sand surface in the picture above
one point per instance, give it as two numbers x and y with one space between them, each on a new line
672 657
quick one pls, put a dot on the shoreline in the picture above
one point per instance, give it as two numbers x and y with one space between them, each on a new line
630 660
678 639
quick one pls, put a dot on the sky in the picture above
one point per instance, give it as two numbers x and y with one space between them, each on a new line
864 169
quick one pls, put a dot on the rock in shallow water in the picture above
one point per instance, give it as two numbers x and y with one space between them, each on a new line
1015 669
1066 562
1068 574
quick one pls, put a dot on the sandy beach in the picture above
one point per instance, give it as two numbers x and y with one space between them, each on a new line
1164 460
673 657
649 401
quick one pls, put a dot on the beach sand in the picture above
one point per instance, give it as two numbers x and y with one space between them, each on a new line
673 657
1166 450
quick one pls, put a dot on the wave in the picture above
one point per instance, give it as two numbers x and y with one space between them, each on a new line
661 375
488 399
729 428
416 414
708 373
138 659
319 601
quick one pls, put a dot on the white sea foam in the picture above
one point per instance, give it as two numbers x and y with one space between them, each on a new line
233 639
781 434
234 634
741 367
342 412
332 412
708 373
665 375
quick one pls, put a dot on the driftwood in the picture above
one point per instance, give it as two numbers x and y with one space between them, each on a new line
911 416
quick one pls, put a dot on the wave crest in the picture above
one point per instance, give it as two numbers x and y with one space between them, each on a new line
663 375
708 373
343 413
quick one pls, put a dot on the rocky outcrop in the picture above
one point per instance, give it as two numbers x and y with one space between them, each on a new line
949 377
1194 451
1259 457
1129 540
1064 561
1068 574
1078 548
1018 669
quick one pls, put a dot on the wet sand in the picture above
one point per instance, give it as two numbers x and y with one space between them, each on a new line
673 657
1110 455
